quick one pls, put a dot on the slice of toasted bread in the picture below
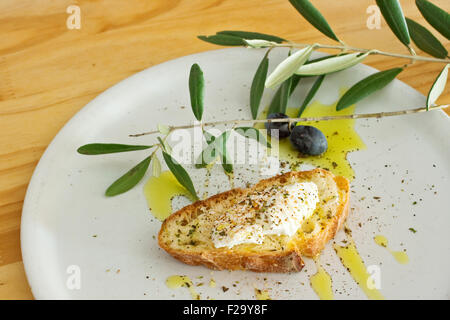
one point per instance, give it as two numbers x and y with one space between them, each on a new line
186 234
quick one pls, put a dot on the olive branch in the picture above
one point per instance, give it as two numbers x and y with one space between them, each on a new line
300 119
286 76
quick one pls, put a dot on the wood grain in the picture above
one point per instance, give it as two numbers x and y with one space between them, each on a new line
48 72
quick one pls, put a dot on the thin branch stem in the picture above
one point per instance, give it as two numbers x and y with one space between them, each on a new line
373 51
304 119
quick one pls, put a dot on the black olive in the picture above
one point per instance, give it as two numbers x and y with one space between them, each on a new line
308 140
278 129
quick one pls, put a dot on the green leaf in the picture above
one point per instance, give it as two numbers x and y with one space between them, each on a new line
180 174
311 94
129 179
438 18
295 81
366 87
285 90
425 40
438 86
252 35
393 14
156 167
104 148
221 144
165 146
253 133
217 147
161 142
209 137
310 13
333 64
228 167
288 66
275 105
208 154
196 88
223 40
257 88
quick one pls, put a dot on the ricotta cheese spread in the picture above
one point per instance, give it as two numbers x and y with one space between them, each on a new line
276 210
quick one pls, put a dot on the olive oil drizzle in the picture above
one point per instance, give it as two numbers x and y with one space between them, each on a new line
353 262
400 256
321 282
175 282
341 136
159 192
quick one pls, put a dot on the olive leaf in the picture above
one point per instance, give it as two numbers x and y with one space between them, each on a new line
288 66
311 93
425 40
209 137
208 154
221 144
223 40
216 147
310 13
257 88
164 145
280 99
253 133
366 87
252 35
196 88
275 105
295 81
285 90
324 58
129 179
180 174
104 148
156 167
259 43
393 14
438 18
228 167
332 64
438 86
313 61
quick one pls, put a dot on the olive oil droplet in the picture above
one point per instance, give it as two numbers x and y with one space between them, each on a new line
262 294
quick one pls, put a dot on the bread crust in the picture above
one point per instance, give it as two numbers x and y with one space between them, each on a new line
285 261
313 246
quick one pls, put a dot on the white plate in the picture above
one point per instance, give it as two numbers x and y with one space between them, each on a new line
65 207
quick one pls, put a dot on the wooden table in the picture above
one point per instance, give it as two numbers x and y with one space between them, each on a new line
48 72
